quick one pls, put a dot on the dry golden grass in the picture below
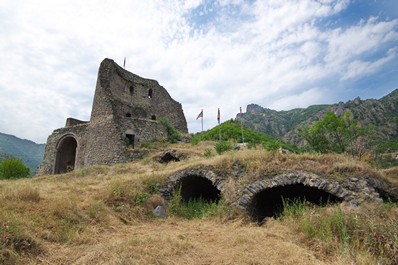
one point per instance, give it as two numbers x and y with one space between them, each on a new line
102 215
392 175
185 242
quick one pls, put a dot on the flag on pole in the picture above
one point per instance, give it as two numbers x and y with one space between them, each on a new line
200 115
124 62
218 116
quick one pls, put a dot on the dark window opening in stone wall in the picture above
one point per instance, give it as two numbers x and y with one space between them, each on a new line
66 156
150 93
131 90
130 138
153 117
128 115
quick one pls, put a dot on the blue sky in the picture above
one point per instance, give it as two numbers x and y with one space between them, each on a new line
208 54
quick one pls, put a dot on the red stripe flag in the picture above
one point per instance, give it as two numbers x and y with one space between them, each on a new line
218 116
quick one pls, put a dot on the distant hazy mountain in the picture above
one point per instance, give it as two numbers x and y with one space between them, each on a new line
383 113
29 152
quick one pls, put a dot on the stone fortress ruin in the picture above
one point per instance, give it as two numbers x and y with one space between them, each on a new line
125 113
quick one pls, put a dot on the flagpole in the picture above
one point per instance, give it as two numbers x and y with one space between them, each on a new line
241 125
202 121
219 127
202 125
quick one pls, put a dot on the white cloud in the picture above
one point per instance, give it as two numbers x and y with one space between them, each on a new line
308 97
360 68
273 53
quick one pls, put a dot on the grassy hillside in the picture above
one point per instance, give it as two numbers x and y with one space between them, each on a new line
232 131
102 215
29 152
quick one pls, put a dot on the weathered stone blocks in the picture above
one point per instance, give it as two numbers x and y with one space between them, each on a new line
125 113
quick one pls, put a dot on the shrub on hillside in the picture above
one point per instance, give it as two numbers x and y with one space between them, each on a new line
371 229
12 168
173 135
222 146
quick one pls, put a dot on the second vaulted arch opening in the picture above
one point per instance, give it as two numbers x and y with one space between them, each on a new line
270 202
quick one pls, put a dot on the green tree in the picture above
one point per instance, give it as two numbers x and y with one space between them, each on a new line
12 168
338 134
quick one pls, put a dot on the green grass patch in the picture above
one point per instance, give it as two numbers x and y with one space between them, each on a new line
372 230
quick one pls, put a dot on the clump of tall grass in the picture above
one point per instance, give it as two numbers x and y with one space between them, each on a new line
21 193
135 199
195 208
372 229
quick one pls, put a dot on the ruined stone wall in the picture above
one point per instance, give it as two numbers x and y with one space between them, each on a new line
73 122
142 98
78 133
105 143
124 106
145 130
125 102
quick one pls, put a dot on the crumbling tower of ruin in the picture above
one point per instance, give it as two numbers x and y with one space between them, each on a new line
125 113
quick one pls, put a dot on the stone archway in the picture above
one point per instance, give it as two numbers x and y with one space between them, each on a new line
271 202
66 154
195 184
266 198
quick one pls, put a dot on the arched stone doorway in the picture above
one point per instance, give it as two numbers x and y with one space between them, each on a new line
271 202
195 187
66 155
266 197
194 184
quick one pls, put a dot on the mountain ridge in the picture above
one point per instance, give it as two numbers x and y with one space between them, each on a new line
383 113
28 151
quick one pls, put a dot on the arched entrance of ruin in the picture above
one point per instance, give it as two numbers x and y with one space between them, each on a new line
271 202
267 198
66 154
194 185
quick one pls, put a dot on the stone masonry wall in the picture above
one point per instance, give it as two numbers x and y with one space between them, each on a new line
124 105
78 132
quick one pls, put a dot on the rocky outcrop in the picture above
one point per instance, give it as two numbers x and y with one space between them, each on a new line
382 113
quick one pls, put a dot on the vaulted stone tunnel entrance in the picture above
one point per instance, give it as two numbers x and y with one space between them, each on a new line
194 187
270 202
66 155
195 184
